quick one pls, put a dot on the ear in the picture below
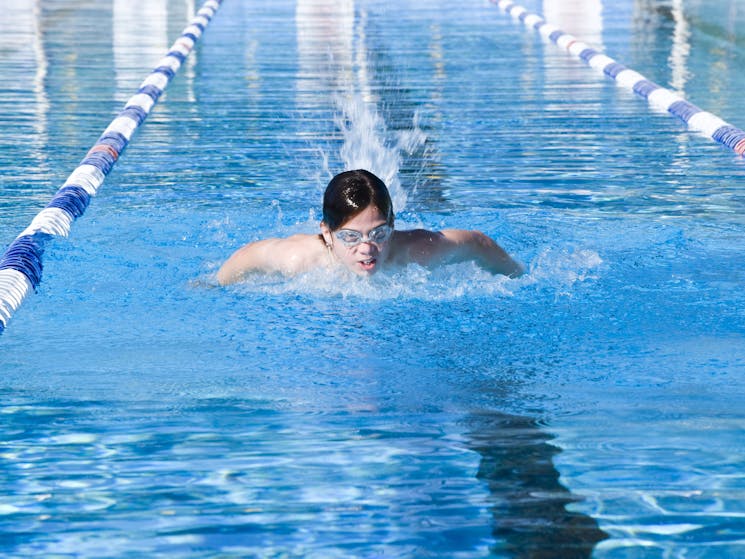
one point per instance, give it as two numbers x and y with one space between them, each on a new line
326 234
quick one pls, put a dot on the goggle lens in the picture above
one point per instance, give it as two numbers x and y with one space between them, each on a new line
351 238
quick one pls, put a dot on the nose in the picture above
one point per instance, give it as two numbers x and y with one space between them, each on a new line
370 246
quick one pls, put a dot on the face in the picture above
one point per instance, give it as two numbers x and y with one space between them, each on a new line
365 258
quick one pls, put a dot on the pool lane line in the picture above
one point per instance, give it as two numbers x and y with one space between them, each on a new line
657 96
21 264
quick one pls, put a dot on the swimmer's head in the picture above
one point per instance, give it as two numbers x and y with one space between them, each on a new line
350 192
357 220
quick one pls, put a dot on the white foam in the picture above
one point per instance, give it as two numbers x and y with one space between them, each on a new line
563 268
555 268
367 144
443 283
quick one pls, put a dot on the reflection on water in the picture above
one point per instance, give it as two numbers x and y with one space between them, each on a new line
24 65
581 18
681 49
140 38
170 423
528 502
704 48
228 474
325 30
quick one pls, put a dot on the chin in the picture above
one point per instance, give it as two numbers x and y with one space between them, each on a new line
364 272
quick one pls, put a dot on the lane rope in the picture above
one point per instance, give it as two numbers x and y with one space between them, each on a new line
21 264
657 96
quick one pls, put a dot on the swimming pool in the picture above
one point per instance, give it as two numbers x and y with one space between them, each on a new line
592 406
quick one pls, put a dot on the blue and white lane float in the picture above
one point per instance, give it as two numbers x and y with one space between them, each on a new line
658 97
21 264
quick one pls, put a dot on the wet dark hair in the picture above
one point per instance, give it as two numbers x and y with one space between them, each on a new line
349 193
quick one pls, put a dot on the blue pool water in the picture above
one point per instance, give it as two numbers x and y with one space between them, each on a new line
590 408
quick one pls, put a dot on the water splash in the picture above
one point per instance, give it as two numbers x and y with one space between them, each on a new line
413 282
562 268
558 270
367 144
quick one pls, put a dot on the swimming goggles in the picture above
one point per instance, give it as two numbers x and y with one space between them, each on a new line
351 238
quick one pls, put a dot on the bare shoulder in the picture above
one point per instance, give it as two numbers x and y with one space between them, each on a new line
469 238
288 255
416 245
416 236
300 241
293 254
423 246
452 245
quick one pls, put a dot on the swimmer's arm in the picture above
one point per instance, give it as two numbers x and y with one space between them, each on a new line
256 256
461 245
458 245
290 255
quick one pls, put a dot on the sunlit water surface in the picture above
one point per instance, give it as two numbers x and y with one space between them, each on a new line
591 407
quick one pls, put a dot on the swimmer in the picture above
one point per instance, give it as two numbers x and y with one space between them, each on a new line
357 233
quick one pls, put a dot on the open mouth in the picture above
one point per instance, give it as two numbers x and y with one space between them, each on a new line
369 264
